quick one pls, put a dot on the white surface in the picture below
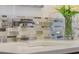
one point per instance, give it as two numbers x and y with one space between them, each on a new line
36 46
11 11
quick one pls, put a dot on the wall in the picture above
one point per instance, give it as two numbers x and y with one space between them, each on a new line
19 10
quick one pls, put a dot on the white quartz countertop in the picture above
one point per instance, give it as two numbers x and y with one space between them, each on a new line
41 46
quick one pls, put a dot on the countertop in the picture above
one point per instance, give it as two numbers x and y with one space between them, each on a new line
41 47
